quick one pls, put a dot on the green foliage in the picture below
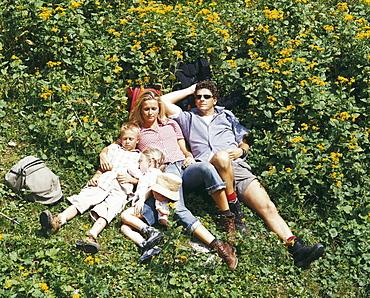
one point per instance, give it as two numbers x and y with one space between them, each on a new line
303 67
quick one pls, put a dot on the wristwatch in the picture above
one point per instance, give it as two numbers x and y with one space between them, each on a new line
244 153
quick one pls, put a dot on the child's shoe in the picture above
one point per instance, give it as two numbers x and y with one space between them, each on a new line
149 254
50 222
90 245
153 236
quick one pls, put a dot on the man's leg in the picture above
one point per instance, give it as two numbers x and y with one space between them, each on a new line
222 162
256 197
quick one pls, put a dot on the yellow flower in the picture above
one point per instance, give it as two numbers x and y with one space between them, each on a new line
117 69
348 17
288 170
304 126
44 286
321 146
85 119
297 139
75 4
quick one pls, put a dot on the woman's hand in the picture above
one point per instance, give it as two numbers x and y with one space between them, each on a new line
188 161
138 208
105 164
124 178
93 182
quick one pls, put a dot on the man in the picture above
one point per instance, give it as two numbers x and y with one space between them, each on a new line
214 134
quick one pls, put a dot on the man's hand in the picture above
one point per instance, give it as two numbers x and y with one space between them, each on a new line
188 161
93 182
234 153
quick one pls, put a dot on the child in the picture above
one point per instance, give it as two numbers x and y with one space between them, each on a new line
166 187
108 192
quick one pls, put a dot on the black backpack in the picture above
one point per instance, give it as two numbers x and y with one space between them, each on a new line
189 74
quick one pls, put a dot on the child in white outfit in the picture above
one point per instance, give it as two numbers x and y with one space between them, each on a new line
107 192
164 187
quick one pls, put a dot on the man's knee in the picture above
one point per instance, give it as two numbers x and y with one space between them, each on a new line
221 159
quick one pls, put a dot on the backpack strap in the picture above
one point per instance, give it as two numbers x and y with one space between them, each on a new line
203 69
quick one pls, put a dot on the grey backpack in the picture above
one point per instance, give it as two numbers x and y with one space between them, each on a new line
32 178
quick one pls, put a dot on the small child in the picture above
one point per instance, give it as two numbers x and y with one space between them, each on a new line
106 192
165 188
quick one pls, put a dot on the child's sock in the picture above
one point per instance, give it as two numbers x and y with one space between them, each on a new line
63 219
92 233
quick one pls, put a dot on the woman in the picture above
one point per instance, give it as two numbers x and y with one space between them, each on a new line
165 135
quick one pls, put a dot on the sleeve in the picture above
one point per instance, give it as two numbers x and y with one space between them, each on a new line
239 130
177 129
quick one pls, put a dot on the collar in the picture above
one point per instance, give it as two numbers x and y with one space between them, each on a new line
218 110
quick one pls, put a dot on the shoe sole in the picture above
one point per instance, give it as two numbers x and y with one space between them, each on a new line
237 261
45 219
151 242
90 247
317 253
148 258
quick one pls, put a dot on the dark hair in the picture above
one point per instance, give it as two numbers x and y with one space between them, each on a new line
207 85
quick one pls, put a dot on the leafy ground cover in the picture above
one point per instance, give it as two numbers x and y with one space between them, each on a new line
304 70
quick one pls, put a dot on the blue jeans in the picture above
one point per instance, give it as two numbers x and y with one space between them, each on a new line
193 176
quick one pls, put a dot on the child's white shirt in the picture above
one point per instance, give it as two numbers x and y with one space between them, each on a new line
146 181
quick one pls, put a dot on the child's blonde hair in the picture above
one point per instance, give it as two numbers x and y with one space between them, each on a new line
157 156
131 126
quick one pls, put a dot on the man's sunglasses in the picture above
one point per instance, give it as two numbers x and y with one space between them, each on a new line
206 96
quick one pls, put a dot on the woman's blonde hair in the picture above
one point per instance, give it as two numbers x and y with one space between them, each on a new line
136 116
157 156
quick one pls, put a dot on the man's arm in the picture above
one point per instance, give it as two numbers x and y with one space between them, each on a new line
235 153
171 98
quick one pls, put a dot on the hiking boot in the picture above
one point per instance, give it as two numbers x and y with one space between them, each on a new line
90 245
149 254
227 253
227 223
50 222
304 255
153 237
239 216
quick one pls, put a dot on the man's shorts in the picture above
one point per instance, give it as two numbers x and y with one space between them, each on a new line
242 176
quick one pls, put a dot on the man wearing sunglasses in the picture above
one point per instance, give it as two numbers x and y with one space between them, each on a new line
214 134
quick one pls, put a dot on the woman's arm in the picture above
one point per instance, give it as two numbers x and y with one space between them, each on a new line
105 164
189 156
